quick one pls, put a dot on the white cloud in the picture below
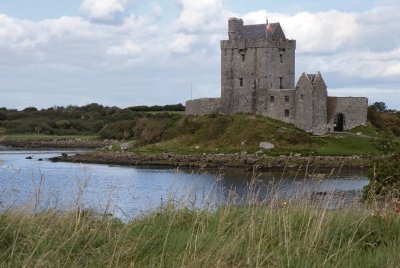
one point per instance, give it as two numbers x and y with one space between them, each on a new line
140 57
127 48
103 10
182 43
202 15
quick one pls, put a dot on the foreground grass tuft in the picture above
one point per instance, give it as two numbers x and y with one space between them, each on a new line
234 236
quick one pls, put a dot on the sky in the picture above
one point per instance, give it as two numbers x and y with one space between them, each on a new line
134 52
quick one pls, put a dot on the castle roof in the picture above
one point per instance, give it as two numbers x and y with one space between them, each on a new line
311 77
259 31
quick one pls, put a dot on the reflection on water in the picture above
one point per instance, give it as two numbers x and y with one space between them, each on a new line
129 191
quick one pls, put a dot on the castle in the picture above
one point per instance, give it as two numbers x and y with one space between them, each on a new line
258 77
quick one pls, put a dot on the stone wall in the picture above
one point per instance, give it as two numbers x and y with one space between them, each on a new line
354 110
260 65
203 106
282 106
304 104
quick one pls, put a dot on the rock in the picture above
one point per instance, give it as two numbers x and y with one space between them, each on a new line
359 133
197 147
259 152
29 157
126 145
266 145
243 143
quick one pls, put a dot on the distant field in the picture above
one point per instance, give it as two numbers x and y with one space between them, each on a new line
41 137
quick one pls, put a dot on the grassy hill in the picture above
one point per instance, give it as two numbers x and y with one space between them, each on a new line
164 130
241 132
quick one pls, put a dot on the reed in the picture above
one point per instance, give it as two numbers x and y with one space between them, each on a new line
245 232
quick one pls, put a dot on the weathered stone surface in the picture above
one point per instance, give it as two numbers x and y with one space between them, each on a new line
258 77
127 145
266 145
203 106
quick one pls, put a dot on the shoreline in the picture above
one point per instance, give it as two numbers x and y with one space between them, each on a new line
245 161
53 144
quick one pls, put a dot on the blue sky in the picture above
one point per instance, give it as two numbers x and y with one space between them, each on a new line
132 52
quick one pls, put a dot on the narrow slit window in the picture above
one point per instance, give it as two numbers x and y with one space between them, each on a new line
281 82
286 112
281 58
243 57
286 98
272 99
241 82
302 96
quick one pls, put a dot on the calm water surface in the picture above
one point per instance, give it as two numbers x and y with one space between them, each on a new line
130 191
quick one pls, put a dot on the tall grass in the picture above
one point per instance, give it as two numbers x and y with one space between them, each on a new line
253 234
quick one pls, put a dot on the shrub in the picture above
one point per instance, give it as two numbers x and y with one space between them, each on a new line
149 130
384 173
118 130
3 116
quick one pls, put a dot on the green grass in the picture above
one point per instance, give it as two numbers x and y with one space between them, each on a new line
345 144
175 133
234 236
368 130
228 134
41 137
165 112
240 132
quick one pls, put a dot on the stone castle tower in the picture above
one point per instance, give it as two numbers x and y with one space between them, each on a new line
258 77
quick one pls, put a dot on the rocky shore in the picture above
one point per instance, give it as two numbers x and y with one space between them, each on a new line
249 161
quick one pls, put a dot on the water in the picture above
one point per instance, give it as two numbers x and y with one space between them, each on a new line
127 192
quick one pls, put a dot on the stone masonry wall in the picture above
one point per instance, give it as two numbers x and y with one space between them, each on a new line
354 110
203 106
282 106
304 104
260 65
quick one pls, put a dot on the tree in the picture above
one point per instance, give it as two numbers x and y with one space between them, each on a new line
379 107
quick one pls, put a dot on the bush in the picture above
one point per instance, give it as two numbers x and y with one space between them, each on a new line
149 130
384 173
3 116
118 130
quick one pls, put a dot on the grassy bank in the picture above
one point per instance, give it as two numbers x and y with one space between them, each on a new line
162 131
282 235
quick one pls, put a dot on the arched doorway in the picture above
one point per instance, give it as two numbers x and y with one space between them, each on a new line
338 124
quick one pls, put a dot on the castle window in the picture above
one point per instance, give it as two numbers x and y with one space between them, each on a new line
286 112
302 96
272 99
286 98
241 82
281 58
243 57
281 82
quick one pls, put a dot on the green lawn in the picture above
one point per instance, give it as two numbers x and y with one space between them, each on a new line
345 144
